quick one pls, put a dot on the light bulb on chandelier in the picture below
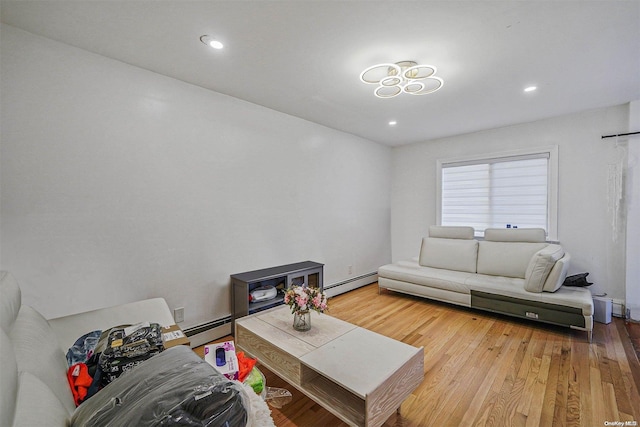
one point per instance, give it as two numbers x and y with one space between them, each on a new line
404 76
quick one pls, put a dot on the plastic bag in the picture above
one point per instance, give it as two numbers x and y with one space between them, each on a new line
278 397
173 388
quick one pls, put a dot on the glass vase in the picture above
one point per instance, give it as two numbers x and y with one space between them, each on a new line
302 320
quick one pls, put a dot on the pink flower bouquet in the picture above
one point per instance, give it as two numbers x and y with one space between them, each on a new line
303 298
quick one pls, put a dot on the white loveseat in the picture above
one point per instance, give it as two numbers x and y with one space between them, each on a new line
35 391
511 271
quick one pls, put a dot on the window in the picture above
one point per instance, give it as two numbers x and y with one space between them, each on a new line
516 189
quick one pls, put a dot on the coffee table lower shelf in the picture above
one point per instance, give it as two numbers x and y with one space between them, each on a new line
340 402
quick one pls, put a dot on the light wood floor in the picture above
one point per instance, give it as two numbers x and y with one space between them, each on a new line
489 370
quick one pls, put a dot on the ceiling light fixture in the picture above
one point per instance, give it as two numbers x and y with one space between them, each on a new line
404 76
530 88
211 42
393 123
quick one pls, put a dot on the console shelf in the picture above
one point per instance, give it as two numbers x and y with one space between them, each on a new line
281 277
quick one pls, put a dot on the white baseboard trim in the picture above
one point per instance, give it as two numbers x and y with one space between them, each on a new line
348 285
634 313
617 308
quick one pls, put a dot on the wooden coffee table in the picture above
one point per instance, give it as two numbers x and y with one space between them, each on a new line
359 376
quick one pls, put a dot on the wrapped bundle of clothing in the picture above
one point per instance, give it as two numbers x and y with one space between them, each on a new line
127 347
98 357
174 388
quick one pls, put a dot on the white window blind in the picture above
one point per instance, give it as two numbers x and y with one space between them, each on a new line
498 192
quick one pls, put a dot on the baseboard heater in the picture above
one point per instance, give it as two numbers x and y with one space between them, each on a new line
338 288
206 332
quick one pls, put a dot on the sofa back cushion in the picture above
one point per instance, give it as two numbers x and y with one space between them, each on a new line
37 405
509 259
10 300
540 266
9 383
531 235
38 352
25 401
449 254
451 232
558 274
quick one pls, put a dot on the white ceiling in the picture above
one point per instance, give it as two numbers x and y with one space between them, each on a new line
304 57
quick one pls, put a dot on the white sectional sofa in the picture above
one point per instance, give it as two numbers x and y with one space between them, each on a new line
511 271
34 389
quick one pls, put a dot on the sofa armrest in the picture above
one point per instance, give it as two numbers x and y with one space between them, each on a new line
69 328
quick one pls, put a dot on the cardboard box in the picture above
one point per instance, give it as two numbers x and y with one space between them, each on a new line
173 336
222 356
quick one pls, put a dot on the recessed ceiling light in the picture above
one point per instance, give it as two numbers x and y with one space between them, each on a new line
211 42
393 123
530 88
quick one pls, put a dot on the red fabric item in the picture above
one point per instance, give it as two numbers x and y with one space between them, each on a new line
245 365
80 381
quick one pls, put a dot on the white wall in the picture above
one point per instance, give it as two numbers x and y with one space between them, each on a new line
584 226
120 184
633 213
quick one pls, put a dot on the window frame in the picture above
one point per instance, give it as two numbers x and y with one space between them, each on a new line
552 180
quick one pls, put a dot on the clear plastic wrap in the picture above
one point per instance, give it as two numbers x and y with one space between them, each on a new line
173 388
277 397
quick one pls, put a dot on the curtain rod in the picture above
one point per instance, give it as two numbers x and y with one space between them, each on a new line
620 134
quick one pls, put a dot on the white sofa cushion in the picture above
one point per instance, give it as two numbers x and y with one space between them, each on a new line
38 353
37 405
531 235
540 266
25 401
10 301
558 274
68 329
506 258
9 382
412 272
451 232
449 254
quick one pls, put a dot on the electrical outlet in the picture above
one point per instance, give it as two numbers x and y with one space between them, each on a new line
350 269
178 314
